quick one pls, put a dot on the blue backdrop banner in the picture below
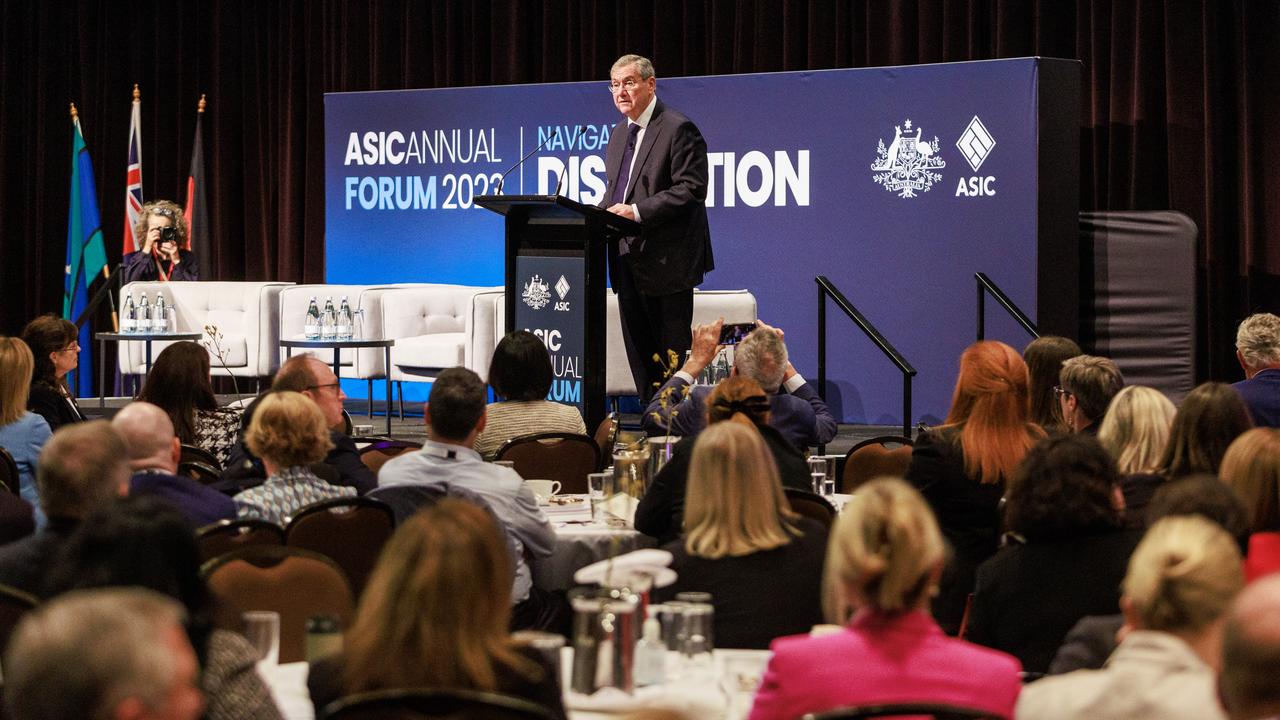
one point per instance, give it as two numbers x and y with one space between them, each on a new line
898 184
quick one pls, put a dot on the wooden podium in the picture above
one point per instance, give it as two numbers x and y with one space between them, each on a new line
555 279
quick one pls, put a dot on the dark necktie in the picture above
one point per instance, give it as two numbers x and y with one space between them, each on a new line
624 171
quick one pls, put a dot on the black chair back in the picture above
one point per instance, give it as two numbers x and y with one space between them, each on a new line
227 536
811 505
434 704
9 472
351 531
567 457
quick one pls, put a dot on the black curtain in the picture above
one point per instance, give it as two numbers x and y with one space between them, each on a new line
1179 109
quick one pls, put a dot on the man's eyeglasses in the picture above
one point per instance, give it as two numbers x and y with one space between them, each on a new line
1059 391
629 84
334 385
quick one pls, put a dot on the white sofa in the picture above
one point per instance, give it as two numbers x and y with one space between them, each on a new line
246 315
434 327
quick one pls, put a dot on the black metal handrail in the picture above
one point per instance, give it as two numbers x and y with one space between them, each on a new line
825 290
985 285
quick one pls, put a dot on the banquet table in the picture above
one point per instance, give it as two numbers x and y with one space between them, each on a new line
579 542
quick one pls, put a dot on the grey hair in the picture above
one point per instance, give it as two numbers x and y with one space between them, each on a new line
643 65
82 654
1258 340
762 356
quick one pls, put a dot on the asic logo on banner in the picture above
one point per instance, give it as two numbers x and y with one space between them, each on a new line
562 289
907 166
536 293
975 144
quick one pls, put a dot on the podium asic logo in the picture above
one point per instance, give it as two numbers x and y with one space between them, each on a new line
562 287
536 293
975 143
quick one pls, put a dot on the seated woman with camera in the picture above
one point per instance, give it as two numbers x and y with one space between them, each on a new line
163 255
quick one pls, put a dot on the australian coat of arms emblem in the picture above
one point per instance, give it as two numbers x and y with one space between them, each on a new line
536 293
909 164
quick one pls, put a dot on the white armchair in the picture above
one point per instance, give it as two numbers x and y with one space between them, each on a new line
245 313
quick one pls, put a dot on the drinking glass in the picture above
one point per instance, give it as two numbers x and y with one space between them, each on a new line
595 493
818 472
698 640
262 630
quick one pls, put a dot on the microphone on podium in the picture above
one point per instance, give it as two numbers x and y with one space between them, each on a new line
520 162
559 180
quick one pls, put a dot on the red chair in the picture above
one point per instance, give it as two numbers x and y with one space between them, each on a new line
567 457
887 455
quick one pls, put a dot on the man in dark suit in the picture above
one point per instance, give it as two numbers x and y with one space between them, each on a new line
657 167
1258 350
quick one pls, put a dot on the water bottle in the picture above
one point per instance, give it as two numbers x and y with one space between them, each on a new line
158 322
328 321
129 316
344 320
144 315
311 326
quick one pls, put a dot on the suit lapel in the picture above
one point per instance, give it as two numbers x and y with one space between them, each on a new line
613 156
651 135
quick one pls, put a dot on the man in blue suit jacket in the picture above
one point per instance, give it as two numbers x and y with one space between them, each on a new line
657 175
1258 350
796 410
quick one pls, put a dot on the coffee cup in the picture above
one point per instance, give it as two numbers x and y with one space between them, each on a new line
543 489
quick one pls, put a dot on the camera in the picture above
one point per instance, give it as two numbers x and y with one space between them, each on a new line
168 235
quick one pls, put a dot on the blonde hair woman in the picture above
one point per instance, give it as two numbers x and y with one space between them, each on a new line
761 562
435 614
289 433
1135 429
883 563
22 433
1251 467
1181 581
164 255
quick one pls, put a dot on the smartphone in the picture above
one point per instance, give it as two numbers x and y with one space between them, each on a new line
733 333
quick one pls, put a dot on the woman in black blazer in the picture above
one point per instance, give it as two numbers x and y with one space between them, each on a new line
53 343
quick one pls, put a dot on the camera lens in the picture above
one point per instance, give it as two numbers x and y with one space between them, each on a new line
168 234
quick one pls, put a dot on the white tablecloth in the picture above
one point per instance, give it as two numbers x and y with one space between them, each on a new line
288 684
580 543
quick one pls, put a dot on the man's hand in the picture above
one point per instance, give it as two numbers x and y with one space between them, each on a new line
706 343
622 209
791 370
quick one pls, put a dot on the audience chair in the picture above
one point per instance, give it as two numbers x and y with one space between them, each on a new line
191 453
922 709
349 531
347 425
811 505
298 584
377 454
9 472
606 435
885 455
227 536
436 704
14 603
567 457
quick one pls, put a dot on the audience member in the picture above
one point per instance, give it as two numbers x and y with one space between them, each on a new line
56 352
179 384
1093 639
661 510
1258 351
143 542
1135 431
678 408
962 467
1179 585
81 467
1209 419
1250 664
435 614
163 256
1064 504
761 562
1044 357
115 654
885 557
154 453
22 434
520 374
1086 385
313 379
455 416
1251 466
288 432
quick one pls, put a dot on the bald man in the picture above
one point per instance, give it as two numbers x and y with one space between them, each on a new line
1247 682
154 452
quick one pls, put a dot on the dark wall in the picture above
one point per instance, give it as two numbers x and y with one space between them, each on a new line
1179 106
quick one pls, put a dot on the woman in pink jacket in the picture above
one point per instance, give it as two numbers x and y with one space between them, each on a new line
883 562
